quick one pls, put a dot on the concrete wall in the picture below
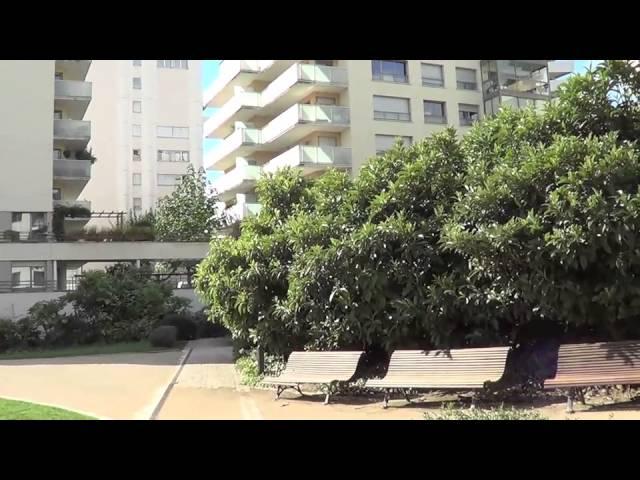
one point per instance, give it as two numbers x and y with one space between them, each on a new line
16 305
26 135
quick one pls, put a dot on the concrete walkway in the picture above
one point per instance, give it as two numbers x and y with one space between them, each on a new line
119 386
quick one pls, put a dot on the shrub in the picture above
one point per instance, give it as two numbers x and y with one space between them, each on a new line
164 336
450 412
9 337
247 367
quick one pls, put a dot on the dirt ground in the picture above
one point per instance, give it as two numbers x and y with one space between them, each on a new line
231 404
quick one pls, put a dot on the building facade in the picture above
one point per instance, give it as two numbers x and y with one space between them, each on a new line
46 169
147 124
316 114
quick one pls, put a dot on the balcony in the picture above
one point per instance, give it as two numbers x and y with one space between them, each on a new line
239 108
560 68
241 73
292 86
239 180
72 203
311 159
298 82
75 134
74 69
72 170
240 211
72 96
237 144
299 121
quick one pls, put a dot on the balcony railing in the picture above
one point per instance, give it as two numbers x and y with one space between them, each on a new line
298 113
12 236
71 129
74 169
438 119
240 137
396 116
467 85
240 211
322 73
73 89
28 286
72 203
314 156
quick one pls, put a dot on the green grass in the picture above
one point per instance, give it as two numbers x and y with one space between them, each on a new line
15 410
96 349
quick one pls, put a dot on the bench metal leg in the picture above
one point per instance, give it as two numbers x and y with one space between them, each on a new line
279 390
299 391
406 395
474 403
328 396
570 396
386 399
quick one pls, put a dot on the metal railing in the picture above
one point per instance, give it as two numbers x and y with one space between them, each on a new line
467 85
467 121
397 116
432 82
12 236
390 77
438 119
28 286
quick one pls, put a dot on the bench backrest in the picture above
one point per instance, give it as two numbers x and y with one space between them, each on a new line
613 362
338 364
468 366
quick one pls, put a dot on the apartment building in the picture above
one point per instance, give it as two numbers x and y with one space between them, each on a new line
316 114
147 121
43 147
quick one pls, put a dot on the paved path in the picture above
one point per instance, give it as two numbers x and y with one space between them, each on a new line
119 386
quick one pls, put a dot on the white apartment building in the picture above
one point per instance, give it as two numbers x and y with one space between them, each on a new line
146 117
43 139
316 114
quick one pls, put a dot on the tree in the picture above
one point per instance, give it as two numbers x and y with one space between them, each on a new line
189 213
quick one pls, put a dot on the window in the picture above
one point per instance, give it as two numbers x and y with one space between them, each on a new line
172 132
391 108
137 204
59 76
434 112
324 141
16 217
169 180
173 156
466 79
57 114
137 63
137 83
386 142
182 64
390 70
137 106
136 130
432 75
467 113
137 179
27 275
135 154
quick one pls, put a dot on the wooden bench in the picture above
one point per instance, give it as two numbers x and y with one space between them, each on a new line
590 364
319 368
463 369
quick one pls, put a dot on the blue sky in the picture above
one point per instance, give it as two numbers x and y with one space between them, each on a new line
210 72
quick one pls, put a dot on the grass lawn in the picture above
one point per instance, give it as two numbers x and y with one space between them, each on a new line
14 410
97 349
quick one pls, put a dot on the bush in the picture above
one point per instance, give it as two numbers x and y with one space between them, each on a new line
186 327
247 367
207 328
9 337
164 336
450 412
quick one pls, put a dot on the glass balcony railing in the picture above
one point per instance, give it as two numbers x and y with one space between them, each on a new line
71 129
313 156
72 89
72 169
